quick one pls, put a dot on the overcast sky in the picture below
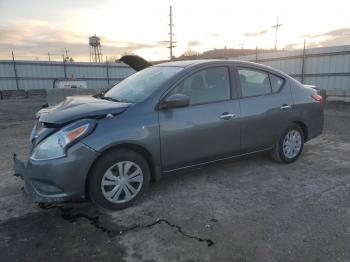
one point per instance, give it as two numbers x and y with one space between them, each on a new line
32 28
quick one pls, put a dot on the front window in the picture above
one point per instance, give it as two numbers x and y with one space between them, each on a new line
142 84
206 86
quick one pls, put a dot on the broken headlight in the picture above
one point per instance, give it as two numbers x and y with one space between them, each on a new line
55 145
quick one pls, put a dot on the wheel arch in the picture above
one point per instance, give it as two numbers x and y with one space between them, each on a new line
155 170
304 128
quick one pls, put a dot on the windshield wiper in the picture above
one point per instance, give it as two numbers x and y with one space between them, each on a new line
102 93
120 100
111 98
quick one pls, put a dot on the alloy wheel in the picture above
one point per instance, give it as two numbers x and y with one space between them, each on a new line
122 182
292 144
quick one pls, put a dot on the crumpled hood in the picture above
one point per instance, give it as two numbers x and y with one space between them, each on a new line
78 107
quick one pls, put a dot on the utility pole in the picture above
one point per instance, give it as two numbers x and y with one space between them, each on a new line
64 67
277 25
15 70
171 34
303 63
107 71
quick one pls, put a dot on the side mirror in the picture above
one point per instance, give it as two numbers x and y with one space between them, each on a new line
175 100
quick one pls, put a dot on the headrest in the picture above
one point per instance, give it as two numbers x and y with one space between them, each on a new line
215 76
197 83
243 78
266 81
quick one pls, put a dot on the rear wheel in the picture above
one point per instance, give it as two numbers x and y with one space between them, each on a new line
118 179
290 145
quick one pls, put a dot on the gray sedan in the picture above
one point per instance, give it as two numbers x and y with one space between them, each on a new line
165 118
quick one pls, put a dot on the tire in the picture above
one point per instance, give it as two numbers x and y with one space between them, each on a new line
280 150
112 182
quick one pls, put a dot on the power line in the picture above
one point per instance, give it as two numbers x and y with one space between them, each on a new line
277 25
171 34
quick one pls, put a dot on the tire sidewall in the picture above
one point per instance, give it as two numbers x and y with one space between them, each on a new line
283 158
106 161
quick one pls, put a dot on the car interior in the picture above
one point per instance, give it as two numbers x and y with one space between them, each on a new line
208 85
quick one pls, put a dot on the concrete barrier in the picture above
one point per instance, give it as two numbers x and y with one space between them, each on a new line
338 99
56 95
335 92
36 93
338 95
13 94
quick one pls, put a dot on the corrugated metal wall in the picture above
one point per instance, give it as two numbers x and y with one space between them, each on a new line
40 74
326 67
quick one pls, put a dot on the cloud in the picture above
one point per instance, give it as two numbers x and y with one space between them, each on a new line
34 39
162 43
341 32
300 45
215 36
193 43
263 32
339 36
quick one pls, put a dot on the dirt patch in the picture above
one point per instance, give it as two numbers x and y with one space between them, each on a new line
252 209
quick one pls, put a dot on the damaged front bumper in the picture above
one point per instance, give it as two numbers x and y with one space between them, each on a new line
57 180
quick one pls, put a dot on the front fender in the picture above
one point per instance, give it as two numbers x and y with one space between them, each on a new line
139 130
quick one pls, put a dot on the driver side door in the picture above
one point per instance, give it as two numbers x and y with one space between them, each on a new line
207 129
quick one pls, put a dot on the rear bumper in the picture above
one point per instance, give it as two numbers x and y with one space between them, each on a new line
57 180
315 125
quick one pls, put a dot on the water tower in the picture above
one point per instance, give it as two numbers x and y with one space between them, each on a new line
95 49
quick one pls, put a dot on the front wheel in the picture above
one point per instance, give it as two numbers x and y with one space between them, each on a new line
290 145
118 179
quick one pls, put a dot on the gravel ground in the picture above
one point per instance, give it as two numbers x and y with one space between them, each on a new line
251 209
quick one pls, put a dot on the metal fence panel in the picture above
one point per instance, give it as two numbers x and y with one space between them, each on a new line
41 74
6 70
325 67
8 84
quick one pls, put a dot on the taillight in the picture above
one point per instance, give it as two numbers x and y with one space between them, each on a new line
318 98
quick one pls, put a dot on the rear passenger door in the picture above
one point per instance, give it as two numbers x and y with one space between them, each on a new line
266 103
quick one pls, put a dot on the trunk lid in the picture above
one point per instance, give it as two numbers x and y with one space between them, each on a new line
135 62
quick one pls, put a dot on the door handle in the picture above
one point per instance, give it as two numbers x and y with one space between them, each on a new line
285 107
227 116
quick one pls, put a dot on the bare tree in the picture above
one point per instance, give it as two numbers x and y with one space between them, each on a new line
68 59
112 59
190 52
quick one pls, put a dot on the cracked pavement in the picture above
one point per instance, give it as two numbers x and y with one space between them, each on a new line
251 209
112 231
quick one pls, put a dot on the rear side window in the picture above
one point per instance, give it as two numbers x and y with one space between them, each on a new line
206 86
276 83
254 82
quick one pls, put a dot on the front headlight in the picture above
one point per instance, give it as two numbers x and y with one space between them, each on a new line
55 146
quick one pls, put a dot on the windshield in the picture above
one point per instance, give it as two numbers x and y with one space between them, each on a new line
142 84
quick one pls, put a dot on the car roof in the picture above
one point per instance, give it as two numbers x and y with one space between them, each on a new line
191 63
187 63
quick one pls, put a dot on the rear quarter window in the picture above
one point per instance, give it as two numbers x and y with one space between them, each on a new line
254 82
276 83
